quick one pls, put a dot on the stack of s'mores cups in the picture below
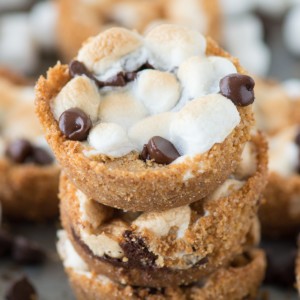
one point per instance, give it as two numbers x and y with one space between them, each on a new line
156 201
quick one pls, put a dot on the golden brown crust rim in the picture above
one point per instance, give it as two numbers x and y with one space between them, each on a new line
148 188
232 283
280 212
217 237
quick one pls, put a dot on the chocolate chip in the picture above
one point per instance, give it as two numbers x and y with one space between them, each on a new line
130 76
160 150
19 150
145 154
238 88
6 243
78 68
27 252
297 139
117 80
41 156
21 289
75 124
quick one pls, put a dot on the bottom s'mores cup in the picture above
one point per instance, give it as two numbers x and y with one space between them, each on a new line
240 280
173 247
28 172
147 123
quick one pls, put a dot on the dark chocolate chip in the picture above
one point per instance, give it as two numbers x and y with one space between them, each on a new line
41 156
21 289
27 252
130 76
19 150
297 139
77 68
145 154
117 80
238 88
6 243
75 124
161 150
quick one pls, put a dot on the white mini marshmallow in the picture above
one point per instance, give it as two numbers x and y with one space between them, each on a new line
108 48
247 28
292 87
160 223
122 109
291 30
156 125
110 139
43 20
283 152
158 91
80 92
254 56
170 45
17 48
201 76
235 7
202 123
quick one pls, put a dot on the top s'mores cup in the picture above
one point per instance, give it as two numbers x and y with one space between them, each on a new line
147 124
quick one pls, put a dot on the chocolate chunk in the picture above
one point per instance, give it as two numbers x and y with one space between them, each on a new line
27 252
19 150
77 68
238 88
75 124
160 150
21 289
136 251
6 243
41 156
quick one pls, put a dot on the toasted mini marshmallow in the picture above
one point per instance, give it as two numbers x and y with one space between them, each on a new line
80 92
170 45
110 139
202 123
106 49
156 125
160 223
201 76
158 91
122 109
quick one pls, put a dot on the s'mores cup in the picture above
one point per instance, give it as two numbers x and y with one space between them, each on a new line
239 280
174 247
276 111
28 172
80 19
147 124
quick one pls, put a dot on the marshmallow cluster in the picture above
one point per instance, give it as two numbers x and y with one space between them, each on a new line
23 35
177 100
